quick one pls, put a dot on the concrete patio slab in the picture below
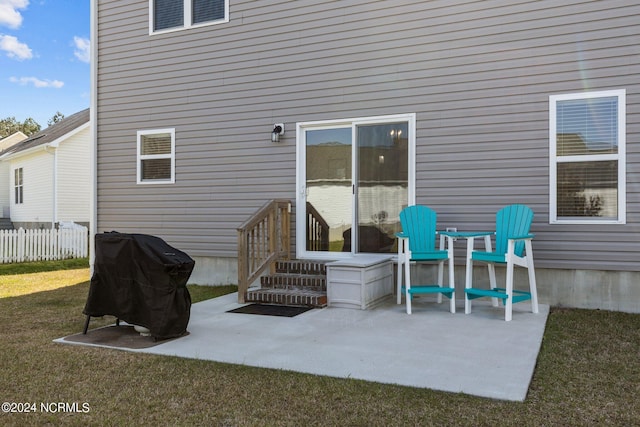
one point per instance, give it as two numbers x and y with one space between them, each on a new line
478 354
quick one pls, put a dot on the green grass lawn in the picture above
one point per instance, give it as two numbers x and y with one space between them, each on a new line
588 373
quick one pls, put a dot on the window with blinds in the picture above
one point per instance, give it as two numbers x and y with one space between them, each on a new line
178 14
167 14
156 156
587 157
208 11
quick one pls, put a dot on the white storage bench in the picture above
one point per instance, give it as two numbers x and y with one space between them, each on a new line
360 282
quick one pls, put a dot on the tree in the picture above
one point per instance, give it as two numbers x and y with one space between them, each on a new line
55 119
10 126
30 126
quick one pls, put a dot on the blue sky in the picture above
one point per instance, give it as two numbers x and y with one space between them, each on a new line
44 58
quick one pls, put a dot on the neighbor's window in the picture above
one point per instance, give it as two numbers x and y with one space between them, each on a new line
18 185
178 14
587 148
156 156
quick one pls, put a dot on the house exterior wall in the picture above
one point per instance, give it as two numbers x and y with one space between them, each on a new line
5 190
56 182
73 183
478 75
37 207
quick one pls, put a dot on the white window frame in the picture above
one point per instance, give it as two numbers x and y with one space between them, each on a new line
619 157
18 192
188 18
141 157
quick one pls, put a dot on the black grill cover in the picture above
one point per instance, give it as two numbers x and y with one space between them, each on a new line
142 280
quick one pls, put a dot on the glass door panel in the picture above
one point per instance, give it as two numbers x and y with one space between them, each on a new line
382 184
328 189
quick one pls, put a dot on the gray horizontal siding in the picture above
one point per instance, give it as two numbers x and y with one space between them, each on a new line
476 73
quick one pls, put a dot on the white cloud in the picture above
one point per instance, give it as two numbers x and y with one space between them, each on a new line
14 48
9 15
36 82
82 51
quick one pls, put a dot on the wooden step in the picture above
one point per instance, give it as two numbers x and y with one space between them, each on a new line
294 297
301 267
296 283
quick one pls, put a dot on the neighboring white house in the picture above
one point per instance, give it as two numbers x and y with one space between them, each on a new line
5 193
49 175
12 139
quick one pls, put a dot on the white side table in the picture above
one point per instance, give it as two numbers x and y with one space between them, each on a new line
470 236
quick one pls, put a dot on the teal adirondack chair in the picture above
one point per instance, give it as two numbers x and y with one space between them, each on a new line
513 247
419 227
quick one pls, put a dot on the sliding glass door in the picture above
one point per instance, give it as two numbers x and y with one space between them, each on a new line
328 195
354 177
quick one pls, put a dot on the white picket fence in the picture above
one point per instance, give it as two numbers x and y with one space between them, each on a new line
42 245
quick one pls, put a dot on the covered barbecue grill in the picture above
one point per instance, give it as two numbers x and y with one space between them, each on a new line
142 280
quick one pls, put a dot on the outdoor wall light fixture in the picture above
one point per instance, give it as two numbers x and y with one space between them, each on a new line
278 129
